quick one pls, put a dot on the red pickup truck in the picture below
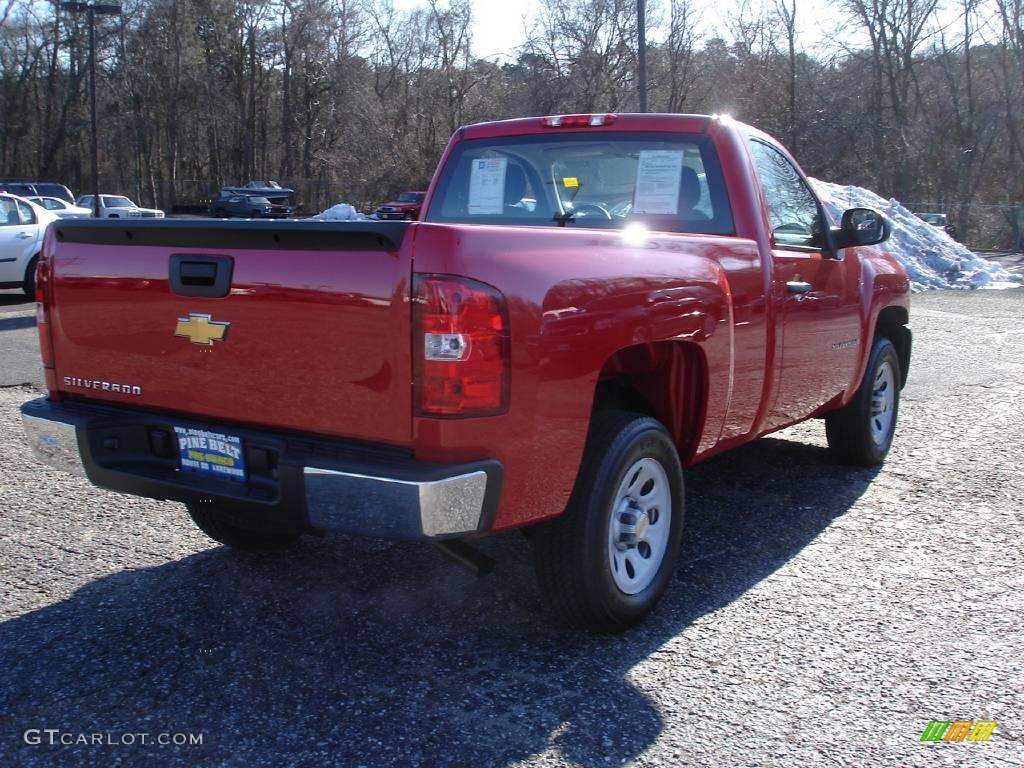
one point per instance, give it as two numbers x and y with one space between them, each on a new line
406 207
590 304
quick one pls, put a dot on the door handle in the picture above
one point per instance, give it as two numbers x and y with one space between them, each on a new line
797 287
25 235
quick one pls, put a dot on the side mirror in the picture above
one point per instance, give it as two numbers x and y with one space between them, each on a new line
861 226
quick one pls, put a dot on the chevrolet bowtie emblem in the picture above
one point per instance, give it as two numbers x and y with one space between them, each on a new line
201 329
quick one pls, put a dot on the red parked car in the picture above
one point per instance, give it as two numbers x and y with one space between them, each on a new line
407 207
591 304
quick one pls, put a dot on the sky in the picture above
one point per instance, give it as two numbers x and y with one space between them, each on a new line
499 26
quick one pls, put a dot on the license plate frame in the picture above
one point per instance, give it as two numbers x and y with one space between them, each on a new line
211 453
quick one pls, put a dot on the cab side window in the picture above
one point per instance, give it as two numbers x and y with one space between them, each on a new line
27 215
8 213
793 211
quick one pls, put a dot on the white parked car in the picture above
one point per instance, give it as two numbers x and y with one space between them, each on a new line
62 208
22 225
119 207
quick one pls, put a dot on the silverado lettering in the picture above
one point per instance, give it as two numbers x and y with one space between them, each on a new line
105 386
587 305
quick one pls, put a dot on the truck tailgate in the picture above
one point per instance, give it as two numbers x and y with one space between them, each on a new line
312 334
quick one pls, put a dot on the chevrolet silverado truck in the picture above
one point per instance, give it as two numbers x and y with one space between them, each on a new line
590 304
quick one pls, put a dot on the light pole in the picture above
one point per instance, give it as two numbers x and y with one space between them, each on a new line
93 9
641 26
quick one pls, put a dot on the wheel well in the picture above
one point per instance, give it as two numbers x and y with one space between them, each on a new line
664 380
892 324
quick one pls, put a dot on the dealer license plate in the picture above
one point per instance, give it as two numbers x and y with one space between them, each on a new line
211 453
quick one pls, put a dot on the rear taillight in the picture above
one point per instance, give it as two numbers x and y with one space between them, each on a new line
43 298
460 347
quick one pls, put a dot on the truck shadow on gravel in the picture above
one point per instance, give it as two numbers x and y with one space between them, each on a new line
350 652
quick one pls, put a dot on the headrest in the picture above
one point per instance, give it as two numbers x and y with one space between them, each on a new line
689 188
515 184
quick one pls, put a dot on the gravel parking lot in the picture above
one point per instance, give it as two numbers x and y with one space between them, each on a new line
821 615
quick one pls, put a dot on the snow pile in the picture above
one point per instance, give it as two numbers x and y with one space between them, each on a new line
339 212
930 256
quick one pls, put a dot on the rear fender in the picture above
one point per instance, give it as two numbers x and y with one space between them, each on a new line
621 314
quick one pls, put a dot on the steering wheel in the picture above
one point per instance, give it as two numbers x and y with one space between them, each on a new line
579 209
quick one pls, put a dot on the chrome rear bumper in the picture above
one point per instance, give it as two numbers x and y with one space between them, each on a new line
400 498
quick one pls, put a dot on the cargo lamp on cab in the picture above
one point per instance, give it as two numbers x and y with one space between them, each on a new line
578 121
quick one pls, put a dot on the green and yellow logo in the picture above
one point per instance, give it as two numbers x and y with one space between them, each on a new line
958 730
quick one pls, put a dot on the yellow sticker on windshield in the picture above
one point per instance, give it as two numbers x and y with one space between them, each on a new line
570 181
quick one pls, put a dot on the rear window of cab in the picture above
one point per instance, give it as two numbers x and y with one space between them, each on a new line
668 182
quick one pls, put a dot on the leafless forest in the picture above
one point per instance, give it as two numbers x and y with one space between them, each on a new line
349 100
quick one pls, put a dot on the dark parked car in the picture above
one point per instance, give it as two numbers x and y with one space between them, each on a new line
23 188
940 221
407 206
250 207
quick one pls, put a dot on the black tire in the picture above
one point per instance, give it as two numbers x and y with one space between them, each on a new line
571 553
114 216
409 217
29 283
213 525
852 438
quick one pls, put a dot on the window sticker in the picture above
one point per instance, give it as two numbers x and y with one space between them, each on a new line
487 187
658 172
570 181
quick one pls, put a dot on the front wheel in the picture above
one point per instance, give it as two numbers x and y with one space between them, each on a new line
861 432
606 561
29 284
210 522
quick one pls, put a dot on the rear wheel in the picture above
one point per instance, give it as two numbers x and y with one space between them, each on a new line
29 284
861 432
606 561
213 525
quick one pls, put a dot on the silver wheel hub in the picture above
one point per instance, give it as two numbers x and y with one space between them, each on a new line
883 402
638 531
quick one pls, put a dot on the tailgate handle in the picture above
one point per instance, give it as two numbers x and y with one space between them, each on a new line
194 275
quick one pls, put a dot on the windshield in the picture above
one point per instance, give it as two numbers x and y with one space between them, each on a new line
667 181
111 201
54 190
256 200
409 197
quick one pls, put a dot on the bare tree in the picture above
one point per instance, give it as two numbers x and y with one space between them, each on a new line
897 30
785 10
678 54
